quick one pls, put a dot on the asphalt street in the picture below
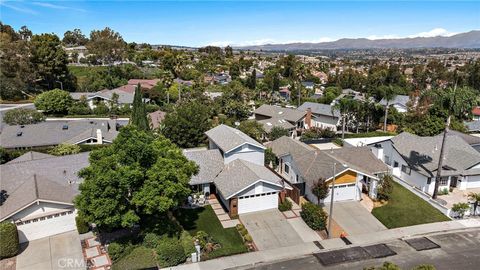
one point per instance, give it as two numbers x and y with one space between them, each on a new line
457 251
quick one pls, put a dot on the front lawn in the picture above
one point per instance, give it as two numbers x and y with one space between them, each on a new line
204 219
140 258
406 209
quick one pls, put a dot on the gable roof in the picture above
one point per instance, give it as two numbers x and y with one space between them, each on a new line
49 179
53 133
286 145
321 109
471 140
268 124
398 99
210 163
240 174
422 153
30 155
288 114
228 138
359 158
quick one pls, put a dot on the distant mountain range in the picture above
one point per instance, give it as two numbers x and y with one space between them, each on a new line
467 40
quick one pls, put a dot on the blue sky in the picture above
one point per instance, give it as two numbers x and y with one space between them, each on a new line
195 23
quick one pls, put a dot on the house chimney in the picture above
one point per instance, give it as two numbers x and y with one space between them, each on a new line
308 119
99 136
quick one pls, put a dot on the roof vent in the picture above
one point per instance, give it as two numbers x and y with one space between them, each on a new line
19 134
22 126
65 127
91 122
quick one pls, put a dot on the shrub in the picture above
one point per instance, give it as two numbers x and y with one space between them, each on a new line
151 240
424 267
460 208
22 116
385 187
115 251
338 141
54 101
82 225
187 243
443 191
170 252
152 107
65 149
248 238
277 132
9 244
101 109
285 205
79 109
314 216
203 238
385 266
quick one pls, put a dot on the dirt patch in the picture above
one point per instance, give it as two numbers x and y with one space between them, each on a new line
8 264
379 203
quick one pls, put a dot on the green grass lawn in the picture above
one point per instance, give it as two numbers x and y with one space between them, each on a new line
140 258
406 209
204 219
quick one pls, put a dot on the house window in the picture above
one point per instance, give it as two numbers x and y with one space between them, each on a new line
387 160
429 180
395 164
287 169
406 169
296 176
443 181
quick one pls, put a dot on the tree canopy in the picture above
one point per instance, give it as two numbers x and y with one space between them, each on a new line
22 116
138 175
55 101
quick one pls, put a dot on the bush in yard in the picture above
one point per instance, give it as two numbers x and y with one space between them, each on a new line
285 205
385 187
82 225
101 109
385 266
460 209
248 237
152 108
151 240
424 267
188 243
170 252
9 244
22 116
65 149
115 251
314 216
54 101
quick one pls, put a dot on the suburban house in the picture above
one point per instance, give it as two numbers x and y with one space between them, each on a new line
399 102
476 113
308 85
323 116
473 127
414 159
38 191
349 93
233 169
51 133
356 170
271 116
106 96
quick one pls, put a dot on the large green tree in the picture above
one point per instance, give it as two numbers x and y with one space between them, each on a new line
252 128
138 175
50 62
107 45
74 38
55 101
22 116
186 125
139 112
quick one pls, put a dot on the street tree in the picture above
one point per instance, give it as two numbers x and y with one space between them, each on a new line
107 45
320 189
388 93
55 101
22 116
139 175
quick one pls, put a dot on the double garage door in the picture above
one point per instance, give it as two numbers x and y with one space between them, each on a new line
46 226
344 192
258 202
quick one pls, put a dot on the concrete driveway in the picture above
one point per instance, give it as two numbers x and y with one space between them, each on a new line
354 218
270 229
61 251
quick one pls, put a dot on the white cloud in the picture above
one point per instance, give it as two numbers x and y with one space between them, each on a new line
374 37
434 33
17 8
54 6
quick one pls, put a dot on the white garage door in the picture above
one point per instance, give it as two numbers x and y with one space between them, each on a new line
257 202
46 226
473 181
343 192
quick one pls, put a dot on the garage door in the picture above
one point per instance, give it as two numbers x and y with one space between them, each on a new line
344 192
257 202
46 226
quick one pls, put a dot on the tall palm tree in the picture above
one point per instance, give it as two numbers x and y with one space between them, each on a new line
475 198
343 106
389 94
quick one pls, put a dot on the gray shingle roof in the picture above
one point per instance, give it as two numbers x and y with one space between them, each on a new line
240 174
320 109
286 145
31 155
398 99
52 133
53 179
268 124
359 158
288 114
471 140
210 163
422 153
228 138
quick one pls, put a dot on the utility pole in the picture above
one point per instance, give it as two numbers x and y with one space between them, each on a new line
331 202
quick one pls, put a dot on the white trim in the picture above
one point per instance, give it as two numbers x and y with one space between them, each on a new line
259 146
374 177
32 203
261 180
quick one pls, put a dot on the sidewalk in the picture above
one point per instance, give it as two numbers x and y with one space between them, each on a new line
284 253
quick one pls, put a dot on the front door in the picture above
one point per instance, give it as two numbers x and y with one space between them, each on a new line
453 181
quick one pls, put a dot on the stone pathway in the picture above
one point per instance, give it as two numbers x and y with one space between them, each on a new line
294 212
223 216
95 254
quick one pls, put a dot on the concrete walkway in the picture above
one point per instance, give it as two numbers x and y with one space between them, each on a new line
284 253
354 218
223 216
